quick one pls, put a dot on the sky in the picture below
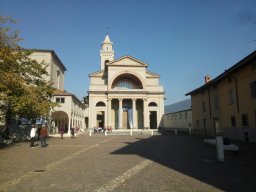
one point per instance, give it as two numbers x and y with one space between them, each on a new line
181 40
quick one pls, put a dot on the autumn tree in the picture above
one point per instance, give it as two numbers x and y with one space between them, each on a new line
23 90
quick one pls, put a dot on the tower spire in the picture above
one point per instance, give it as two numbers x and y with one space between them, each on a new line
106 52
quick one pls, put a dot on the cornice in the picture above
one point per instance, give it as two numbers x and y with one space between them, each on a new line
114 62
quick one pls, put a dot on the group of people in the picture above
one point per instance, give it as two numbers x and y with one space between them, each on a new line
102 129
73 131
41 132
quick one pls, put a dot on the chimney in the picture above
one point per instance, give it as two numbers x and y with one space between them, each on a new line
207 79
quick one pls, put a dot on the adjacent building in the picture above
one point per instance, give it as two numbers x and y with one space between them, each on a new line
123 94
178 116
70 111
227 103
55 67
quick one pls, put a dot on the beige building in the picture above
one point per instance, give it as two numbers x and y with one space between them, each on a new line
70 111
55 67
123 94
227 103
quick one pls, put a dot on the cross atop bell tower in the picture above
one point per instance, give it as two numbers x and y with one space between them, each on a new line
106 52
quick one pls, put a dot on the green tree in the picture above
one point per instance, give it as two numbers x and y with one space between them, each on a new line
23 90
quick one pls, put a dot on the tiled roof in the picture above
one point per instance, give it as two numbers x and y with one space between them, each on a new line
61 93
179 106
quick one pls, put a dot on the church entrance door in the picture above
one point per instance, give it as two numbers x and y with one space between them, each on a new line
153 120
100 119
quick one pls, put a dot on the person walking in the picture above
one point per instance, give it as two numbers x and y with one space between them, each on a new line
33 135
43 135
72 130
62 129
39 126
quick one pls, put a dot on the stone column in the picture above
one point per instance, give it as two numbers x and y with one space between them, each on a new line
69 119
145 113
134 114
109 123
120 114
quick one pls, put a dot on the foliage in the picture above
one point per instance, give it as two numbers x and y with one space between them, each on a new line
23 90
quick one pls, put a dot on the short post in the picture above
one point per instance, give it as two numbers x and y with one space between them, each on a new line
219 148
152 132
130 132
176 132
90 132
190 131
105 132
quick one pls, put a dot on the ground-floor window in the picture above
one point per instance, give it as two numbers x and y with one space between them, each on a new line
245 121
197 123
233 121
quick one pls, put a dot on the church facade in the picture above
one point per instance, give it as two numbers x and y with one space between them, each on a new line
123 94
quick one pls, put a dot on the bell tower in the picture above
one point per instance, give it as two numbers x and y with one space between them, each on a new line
106 52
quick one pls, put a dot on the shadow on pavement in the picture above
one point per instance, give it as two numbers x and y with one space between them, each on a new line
190 156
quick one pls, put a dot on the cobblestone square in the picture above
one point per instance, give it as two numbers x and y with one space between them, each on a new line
126 163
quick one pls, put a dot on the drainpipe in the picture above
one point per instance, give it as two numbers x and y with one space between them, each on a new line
237 101
236 89
209 103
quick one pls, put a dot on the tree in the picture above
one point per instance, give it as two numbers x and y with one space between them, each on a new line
23 90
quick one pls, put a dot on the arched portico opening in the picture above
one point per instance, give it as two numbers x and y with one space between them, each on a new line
59 118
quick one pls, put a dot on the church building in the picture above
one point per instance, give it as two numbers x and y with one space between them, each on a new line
123 94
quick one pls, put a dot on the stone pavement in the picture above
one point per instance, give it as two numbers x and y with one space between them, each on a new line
126 163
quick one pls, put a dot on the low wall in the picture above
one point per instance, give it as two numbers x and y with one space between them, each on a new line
241 134
175 131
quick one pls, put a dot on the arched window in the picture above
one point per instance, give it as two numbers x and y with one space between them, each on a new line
152 104
100 104
127 81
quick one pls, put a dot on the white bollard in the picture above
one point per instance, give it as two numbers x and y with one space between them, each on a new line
219 148
130 132
105 132
152 132
90 133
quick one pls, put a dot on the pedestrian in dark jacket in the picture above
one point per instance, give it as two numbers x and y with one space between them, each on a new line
43 135
72 130
62 129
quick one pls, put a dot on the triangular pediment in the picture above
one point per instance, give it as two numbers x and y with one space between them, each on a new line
127 61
